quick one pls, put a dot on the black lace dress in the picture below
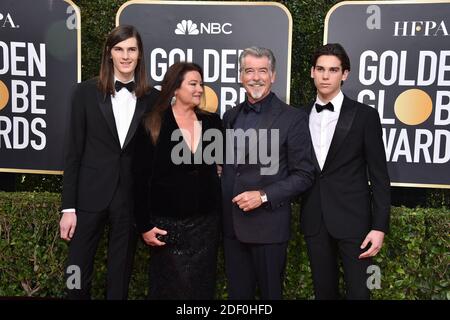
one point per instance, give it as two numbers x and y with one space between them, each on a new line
185 268
185 200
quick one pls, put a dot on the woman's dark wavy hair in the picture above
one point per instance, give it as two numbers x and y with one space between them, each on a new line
171 82
106 78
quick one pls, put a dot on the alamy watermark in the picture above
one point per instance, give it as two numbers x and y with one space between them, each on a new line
374 280
73 277
238 146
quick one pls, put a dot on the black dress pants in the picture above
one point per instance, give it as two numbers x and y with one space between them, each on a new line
324 252
122 240
250 265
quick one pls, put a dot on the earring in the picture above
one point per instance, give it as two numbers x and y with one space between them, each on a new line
173 101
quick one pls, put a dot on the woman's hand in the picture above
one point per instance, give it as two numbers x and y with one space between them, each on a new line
150 237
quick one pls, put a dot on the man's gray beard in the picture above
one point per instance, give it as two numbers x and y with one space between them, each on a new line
256 95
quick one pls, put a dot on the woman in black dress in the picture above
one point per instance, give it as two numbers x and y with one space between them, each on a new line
177 189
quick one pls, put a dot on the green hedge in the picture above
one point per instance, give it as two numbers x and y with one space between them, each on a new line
414 261
98 18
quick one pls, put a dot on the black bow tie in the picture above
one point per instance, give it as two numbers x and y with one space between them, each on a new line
252 107
328 106
119 85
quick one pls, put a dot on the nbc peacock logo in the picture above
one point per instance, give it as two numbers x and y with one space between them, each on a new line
187 27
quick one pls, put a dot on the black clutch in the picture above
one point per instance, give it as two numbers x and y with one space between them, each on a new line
171 237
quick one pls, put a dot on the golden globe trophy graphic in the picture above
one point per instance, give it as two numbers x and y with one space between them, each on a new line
413 107
210 102
4 95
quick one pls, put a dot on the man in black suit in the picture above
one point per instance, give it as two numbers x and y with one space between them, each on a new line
257 193
97 186
342 214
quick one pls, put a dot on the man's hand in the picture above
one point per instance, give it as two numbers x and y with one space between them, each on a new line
67 225
376 238
150 237
248 200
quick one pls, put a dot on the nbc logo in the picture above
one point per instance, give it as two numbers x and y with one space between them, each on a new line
187 27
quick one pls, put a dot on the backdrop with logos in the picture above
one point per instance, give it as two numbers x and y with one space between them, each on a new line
400 56
39 65
212 34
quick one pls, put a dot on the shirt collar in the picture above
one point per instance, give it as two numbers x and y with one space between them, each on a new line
117 79
260 104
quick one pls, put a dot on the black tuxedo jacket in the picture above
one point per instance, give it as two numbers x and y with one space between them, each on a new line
94 159
270 223
341 195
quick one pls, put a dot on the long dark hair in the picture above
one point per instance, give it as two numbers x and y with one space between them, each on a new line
171 82
106 78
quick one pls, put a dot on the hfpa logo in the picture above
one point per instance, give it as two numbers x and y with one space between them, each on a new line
188 27
420 28
7 21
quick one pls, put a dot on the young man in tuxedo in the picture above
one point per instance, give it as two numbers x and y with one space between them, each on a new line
342 215
97 187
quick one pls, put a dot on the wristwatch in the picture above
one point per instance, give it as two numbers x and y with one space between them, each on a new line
263 196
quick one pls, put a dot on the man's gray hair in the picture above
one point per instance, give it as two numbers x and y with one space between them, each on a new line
258 52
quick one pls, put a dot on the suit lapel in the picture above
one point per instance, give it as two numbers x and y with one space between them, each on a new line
343 126
268 116
309 108
233 115
105 106
138 112
315 161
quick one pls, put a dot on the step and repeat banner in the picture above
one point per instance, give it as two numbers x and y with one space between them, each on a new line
212 34
400 57
399 50
39 65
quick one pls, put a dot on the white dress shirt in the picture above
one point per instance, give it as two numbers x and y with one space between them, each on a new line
123 105
322 126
